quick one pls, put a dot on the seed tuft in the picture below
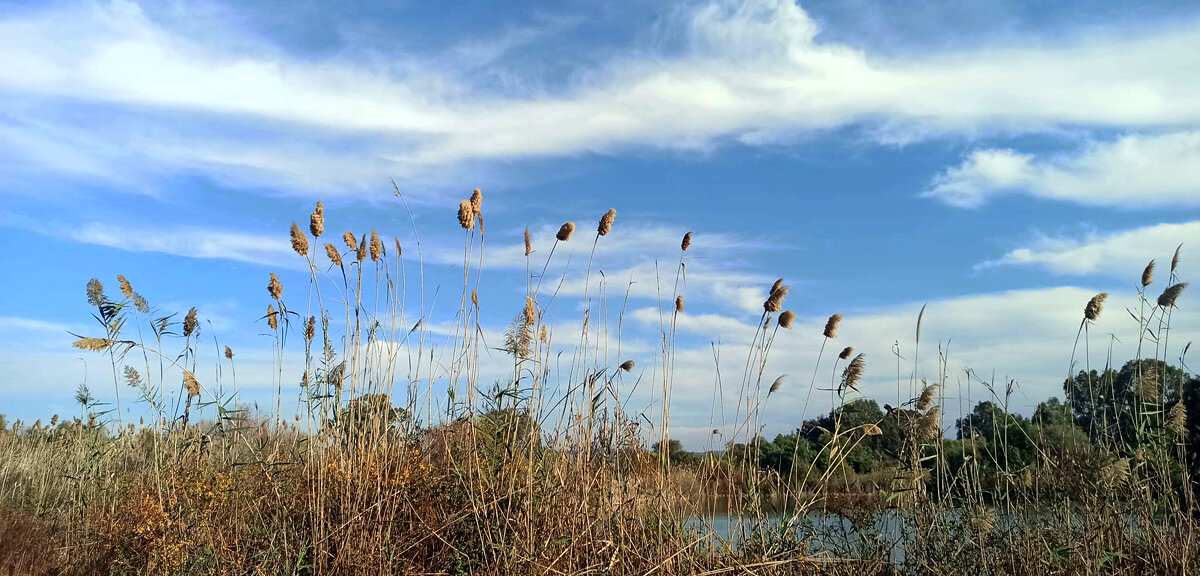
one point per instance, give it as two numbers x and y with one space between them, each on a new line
687 242
1095 306
94 344
274 288
376 246
272 317
679 303
350 240
606 222
95 292
228 353
189 323
1171 294
628 365
565 232
466 215
1148 274
192 384
299 240
831 326
528 245
786 319
316 224
334 255
776 385
126 288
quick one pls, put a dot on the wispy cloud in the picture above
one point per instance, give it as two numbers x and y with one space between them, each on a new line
188 241
754 71
1120 254
1134 171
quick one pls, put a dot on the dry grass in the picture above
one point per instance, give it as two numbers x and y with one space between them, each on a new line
549 472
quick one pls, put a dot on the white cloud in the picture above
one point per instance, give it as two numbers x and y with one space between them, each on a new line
1134 171
1116 254
755 71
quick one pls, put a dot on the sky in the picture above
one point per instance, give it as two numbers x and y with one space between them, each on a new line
997 163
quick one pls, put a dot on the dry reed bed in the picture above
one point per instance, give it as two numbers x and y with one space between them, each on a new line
547 473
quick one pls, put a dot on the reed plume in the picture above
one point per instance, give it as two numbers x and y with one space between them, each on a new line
1146 388
545 335
477 201
274 288
316 223
776 385
1115 473
528 245
628 365
399 249
140 303
334 255
1095 306
774 302
189 323
299 240
1175 258
126 288
929 424
1171 294
132 378
475 299
530 312
853 371
679 303
95 292
350 240
831 326
687 242
362 249
1177 419
928 394
272 317
466 215
606 222
872 430
846 352
228 353
786 319
565 232
94 344
1148 274
310 328
192 384
376 246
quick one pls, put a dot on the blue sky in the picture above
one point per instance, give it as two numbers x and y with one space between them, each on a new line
998 161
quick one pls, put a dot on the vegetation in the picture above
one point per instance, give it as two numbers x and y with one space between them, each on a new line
546 472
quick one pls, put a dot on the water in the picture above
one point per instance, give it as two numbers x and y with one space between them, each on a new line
878 536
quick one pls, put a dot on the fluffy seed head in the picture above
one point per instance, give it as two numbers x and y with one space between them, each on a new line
466 215
362 249
628 365
528 245
376 246
310 328
475 299
228 353
530 311
132 378
786 318
140 303
928 394
272 317
854 370
606 222
871 430
189 323
1115 473
565 232
274 288
399 249
846 352
1146 389
776 385
831 326
334 255
126 289
1171 294
774 302
687 242
1177 419
299 240
1148 274
1095 306
95 292
316 224
679 303
1175 259
94 344
350 240
929 425
192 384
545 335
